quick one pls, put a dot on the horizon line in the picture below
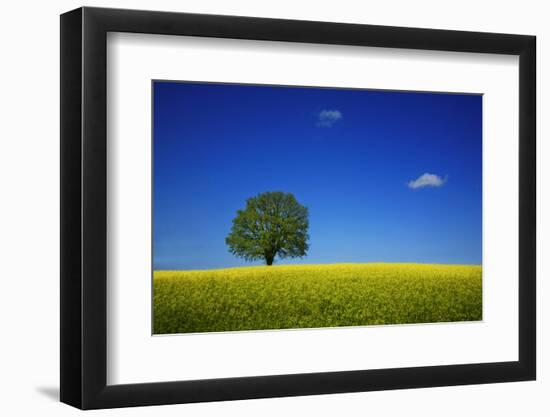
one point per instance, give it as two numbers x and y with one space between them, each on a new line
319 264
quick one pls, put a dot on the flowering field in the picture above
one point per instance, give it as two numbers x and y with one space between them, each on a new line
309 296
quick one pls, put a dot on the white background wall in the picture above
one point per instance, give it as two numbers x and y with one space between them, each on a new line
29 212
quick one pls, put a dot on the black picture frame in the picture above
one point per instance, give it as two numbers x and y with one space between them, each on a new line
84 208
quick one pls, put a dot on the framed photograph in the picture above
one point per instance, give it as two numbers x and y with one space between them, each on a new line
258 208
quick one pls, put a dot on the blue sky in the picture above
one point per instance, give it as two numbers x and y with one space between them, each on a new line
386 176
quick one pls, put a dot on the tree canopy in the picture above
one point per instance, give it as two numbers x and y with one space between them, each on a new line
273 224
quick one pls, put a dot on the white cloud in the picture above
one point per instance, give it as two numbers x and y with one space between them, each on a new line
328 117
427 180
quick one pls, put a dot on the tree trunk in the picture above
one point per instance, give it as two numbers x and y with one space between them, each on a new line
269 259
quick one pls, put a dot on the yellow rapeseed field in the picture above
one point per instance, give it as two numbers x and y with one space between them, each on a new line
309 296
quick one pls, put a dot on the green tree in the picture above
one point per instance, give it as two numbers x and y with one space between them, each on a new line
272 224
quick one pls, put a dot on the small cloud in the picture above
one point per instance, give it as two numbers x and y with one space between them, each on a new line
427 180
328 117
